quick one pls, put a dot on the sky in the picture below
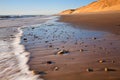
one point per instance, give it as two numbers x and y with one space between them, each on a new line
38 7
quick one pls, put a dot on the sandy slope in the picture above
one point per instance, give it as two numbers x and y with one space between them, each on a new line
97 6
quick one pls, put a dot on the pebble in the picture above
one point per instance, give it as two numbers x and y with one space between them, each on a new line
50 46
94 38
49 62
38 72
113 61
81 50
89 70
56 68
106 69
101 61
62 52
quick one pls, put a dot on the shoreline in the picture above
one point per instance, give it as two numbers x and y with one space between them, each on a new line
95 21
86 48
14 66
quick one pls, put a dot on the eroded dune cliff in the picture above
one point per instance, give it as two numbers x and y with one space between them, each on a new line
97 6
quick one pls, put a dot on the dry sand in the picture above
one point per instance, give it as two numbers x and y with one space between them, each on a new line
90 57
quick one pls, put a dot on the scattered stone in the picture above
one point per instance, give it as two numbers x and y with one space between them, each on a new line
106 69
89 70
81 50
57 48
25 39
33 28
42 73
113 61
61 52
49 62
46 41
50 46
101 61
56 68
86 46
94 38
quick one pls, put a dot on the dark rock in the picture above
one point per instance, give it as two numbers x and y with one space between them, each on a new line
89 70
49 62
25 39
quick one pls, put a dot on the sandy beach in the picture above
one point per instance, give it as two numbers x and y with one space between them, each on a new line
60 40
71 47
83 47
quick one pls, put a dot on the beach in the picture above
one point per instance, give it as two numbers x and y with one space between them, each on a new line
69 47
83 47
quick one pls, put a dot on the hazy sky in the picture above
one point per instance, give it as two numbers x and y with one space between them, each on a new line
39 6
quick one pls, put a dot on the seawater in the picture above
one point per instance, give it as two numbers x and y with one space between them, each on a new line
13 57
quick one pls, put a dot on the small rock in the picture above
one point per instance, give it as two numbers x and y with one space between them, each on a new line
81 50
89 70
42 73
106 69
94 38
25 39
46 41
62 52
33 28
113 61
50 46
56 68
101 61
49 62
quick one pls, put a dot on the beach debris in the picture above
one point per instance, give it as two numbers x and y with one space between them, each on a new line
61 52
89 70
56 68
81 50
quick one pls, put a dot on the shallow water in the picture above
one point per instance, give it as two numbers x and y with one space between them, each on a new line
53 32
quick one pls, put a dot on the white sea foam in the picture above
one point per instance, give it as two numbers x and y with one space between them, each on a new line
14 58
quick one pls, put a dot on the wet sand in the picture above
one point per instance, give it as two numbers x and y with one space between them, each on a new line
13 56
89 53
107 21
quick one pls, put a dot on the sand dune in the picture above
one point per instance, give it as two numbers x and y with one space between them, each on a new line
96 6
